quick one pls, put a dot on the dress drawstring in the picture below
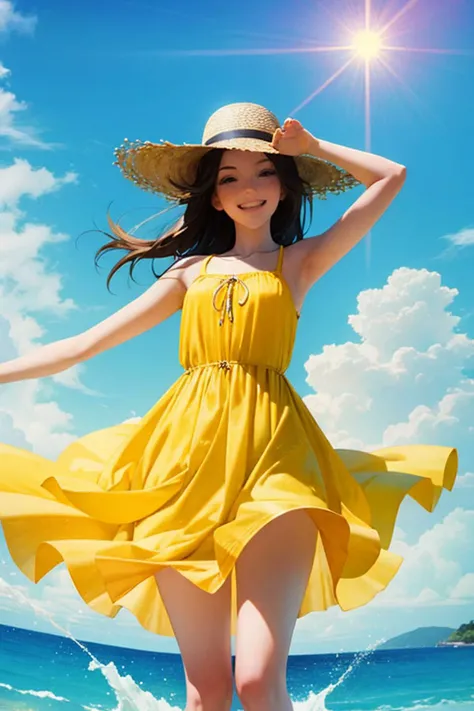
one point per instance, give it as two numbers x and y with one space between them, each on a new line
226 288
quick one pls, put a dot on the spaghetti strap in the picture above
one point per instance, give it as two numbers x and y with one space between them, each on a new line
280 260
204 264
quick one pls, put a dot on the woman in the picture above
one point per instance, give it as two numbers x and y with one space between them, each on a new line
226 488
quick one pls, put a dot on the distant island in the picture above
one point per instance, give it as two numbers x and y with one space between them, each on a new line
462 636
433 637
421 637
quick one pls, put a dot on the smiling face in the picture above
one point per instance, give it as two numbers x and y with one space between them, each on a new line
247 188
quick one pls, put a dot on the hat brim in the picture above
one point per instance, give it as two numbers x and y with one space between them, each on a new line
156 166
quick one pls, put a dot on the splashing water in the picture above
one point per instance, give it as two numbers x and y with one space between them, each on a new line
317 702
130 696
127 693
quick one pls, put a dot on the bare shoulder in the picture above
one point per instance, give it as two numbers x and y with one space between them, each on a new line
185 269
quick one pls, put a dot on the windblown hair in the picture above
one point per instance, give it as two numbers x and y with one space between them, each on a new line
203 229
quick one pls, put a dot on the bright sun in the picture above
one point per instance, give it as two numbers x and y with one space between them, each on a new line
367 43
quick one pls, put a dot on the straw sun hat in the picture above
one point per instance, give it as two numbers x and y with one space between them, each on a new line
243 126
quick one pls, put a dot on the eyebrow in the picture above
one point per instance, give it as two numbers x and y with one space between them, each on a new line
232 167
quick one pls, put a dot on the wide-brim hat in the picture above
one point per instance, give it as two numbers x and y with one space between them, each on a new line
242 126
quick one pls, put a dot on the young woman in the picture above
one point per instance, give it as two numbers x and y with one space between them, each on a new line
225 509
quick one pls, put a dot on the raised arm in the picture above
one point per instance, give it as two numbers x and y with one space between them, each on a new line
383 179
160 301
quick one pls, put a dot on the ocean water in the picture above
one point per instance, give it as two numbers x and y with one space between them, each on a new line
40 672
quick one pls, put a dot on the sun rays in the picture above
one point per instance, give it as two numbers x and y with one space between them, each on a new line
369 45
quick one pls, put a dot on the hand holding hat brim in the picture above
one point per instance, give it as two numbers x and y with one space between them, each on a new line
291 139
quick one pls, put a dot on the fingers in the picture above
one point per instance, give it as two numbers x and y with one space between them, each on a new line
276 137
290 129
291 126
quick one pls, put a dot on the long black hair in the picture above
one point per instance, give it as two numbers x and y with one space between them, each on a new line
203 229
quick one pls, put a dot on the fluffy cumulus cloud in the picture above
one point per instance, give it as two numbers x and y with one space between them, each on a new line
30 289
27 284
20 180
438 569
403 378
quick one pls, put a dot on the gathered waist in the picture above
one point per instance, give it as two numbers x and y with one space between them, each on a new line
227 365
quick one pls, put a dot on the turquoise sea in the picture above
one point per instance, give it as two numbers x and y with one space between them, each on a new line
40 671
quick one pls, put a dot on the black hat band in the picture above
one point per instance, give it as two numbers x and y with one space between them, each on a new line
240 133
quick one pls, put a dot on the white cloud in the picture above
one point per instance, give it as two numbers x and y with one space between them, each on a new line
54 598
466 481
463 238
438 569
59 594
464 590
10 108
20 180
400 314
333 626
30 288
4 72
11 594
13 21
54 602
43 427
27 284
404 381
71 378
452 417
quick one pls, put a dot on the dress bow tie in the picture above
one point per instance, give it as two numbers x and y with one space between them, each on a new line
226 290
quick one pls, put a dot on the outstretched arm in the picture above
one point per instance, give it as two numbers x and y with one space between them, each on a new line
156 304
382 178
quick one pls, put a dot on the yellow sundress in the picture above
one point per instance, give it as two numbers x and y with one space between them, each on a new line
229 447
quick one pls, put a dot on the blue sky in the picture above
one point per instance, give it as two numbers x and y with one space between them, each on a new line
384 351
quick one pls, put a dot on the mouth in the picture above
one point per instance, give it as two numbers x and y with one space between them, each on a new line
255 205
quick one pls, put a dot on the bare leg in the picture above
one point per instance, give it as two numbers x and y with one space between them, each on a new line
201 623
272 575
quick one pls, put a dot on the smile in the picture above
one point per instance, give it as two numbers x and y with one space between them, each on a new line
252 205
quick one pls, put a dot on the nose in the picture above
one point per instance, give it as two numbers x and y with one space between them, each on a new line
250 186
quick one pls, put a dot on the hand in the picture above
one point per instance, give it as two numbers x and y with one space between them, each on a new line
291 139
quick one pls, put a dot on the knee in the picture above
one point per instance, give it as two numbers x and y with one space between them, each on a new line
209 692
260 688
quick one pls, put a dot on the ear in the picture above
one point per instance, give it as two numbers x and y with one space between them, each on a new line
282 194
216 203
